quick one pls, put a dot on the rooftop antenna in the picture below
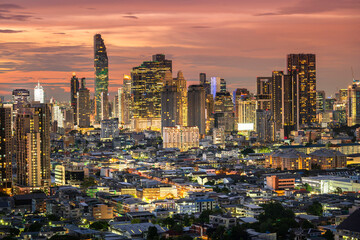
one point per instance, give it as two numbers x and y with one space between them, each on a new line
352 71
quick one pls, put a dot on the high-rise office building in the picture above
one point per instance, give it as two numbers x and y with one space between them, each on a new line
146 88
302 69
283 103
245 110
5 151
264 125
20 99
343 93
33 147
329 104
222 85
196 107
320 101
74 90
104 106
101 78
209 112
276 98
39 93
109 128
263 92
83 107
353 104
57 116
170 109
127 100
215 85
183 104
118 105
240 93
205 83
224 112
289 106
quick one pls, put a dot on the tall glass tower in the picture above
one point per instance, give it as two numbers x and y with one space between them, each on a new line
101 78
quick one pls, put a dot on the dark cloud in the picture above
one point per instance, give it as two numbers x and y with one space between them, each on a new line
16 17
10 6
29 57
60 33
9 31
130 16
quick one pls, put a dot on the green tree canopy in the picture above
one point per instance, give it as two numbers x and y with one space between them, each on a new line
99 225
315 209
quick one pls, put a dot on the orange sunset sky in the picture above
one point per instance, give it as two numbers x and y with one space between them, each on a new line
47 40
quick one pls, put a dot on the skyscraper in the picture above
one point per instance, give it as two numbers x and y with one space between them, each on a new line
101 78
264 125
5 151
83 105
196 107
74 89
283 103
353 104
170 108
263 92
320 101
276 98
245 110
302 69
33 147
127 100
205 83
147 84
215 85
39 93
224 112
183 104
20 99
209 112
118 105
222 85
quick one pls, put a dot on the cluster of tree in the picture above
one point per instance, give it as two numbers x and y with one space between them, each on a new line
275 218
315 209
221 190
88 182
99 225
237 232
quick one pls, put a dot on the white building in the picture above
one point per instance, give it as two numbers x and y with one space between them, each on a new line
329 184
58 116
181 137
39 93
219 136
185 206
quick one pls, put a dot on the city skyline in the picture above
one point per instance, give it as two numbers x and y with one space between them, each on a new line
234 41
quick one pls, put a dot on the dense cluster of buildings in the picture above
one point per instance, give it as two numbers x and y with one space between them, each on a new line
114 168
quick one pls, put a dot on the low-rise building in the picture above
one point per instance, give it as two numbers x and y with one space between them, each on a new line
181 137
328 159
280 182
224 221
350 227
103 212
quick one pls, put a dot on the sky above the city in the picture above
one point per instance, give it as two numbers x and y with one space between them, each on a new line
46 41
